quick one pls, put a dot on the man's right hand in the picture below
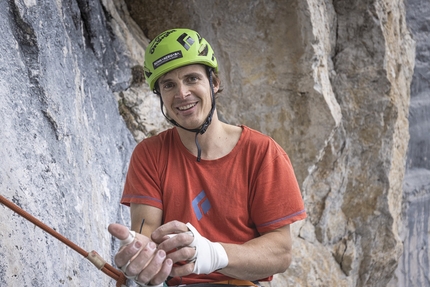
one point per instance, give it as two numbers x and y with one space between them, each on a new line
141 259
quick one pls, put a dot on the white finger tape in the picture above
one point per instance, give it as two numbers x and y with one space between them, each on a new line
145 285
129 239
123 268
174 234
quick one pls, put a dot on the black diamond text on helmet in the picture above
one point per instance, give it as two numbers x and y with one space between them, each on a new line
167 58
159 39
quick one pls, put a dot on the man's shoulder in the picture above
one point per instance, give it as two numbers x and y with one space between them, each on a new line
156 143
255 136
260 142
159 138
153 149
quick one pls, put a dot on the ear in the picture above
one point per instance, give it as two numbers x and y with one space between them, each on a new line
216 82
216 86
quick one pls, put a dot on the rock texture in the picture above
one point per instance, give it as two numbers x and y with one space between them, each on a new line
64 146
414 265
328 80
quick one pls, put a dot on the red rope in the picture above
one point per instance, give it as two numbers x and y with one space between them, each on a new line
91 256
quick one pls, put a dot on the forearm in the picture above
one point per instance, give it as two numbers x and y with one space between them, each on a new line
259 258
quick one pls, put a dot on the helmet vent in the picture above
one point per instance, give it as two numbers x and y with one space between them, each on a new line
203 51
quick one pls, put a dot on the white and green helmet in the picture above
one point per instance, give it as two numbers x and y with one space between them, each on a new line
175 48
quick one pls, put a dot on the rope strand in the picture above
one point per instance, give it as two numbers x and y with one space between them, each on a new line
109 270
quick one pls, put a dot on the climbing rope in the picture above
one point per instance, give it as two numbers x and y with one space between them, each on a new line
92 256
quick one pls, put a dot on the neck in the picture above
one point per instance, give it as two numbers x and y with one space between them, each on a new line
188 137
219 139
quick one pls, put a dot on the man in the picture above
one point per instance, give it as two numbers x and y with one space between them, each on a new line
211 203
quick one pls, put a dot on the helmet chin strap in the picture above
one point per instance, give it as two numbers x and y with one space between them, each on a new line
202 129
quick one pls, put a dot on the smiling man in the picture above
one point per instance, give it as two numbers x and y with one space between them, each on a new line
211 203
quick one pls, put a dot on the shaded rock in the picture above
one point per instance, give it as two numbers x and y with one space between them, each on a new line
65 147
414 265
328 80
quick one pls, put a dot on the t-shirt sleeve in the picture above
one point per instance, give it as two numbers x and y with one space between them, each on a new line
277 200
142 184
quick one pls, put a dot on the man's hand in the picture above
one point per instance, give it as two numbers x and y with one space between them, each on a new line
140 259
203 256
145 262
174 238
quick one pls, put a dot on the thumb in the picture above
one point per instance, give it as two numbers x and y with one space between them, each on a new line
119 231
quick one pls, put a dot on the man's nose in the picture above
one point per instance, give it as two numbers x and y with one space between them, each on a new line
182 91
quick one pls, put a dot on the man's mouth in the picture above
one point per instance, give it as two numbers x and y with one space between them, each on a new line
186 107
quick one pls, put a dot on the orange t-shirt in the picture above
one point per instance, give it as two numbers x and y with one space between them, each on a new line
234 199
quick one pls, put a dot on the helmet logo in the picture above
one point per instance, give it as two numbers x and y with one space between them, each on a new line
167 58
147 73
186 41
157 40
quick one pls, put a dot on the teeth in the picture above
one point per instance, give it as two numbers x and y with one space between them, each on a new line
183 108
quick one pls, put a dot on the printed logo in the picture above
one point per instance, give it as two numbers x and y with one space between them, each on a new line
201 205
157 40
186 41
167 58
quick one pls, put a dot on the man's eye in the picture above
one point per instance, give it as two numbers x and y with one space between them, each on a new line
167 85
192 79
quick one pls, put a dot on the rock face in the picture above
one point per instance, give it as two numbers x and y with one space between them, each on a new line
414 265
328 80
64 144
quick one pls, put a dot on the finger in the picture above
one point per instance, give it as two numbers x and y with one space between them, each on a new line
163 273
140 262
183 270
183 254
127 253
119 231
176 241
171 227
152 268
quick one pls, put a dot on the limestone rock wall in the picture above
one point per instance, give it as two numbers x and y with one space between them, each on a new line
328 80
414 265
64 146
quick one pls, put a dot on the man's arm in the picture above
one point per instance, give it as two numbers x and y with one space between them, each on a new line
256 259
145 218
260 257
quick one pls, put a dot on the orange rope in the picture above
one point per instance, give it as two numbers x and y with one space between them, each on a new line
93 257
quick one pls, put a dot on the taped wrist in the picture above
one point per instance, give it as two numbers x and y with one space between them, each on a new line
210 256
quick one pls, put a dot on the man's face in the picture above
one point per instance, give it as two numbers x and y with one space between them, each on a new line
186 95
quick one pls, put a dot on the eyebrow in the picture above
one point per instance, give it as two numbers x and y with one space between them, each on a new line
191 74
161 82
